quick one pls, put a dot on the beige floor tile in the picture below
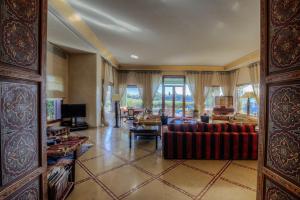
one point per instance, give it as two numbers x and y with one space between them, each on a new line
93 152
80 174
212 166
247 163
241 175
103 163
154 164
227 191
121 180
157 191
188 179
88 190
130 154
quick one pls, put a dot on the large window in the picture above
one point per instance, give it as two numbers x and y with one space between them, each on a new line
108 99
53 109
243 94
133 98
211 92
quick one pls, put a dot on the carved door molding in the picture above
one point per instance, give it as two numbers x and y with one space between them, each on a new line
279 146
22 99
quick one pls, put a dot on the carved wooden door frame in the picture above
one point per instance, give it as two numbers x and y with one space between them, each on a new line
23 39
279 141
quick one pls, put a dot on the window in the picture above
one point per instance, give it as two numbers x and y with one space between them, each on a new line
157 101
53 109
133 98
108 99
211 92
242 100
189 102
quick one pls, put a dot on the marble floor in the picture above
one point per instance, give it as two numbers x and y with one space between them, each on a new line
110 170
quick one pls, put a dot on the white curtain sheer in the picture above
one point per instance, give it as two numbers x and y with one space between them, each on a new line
224 82
122 85
147 83
193 82
233 86
254 73
107 78
197 81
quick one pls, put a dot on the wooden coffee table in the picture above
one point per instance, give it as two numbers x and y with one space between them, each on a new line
145 131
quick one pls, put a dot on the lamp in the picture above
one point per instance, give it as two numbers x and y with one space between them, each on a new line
248 96
116 98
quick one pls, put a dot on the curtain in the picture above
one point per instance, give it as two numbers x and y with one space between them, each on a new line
254 77
224 82
144 84
122 85
115 81
233 86
107 77
156 81
193 82
206 79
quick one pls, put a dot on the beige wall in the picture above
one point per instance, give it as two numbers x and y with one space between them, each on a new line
84 85
57 73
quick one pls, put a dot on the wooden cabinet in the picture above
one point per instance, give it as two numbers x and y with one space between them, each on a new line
22 99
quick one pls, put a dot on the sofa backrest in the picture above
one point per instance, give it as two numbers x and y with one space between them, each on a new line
206 127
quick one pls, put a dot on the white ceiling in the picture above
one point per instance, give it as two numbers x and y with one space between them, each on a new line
61 35
174 32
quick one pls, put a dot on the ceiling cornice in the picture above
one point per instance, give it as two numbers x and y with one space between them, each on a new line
170 68
243 61
69 14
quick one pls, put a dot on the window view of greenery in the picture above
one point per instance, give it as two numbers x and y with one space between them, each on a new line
108 100
133 99
242 102
210 99
189 102
53 107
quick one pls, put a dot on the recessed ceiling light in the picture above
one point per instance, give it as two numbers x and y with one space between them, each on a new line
134 56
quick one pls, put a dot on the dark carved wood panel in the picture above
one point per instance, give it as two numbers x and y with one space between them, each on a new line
273 192
284 35
19 129
19 35
283 153
30 191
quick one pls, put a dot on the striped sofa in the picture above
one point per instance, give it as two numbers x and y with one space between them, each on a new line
210 141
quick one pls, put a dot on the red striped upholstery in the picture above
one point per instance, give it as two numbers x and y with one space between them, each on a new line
222 141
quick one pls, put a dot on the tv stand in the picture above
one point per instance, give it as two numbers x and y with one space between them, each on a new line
74 125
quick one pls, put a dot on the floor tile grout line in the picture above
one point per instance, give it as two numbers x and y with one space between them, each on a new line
153 177
102 185
83 180
243 166
213 180
237 184
176 188
199 170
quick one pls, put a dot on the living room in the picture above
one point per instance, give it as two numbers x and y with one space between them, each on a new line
163 99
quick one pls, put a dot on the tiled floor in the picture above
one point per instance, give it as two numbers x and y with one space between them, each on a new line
110 170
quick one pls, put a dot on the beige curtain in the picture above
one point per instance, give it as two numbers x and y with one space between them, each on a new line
206 79
122 85
115 81
193 82
107 78
234 75
254 73
156 81
224 82
144 84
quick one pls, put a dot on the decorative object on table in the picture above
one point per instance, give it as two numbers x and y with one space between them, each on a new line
205 118
163 117
248 96
130 115
116 98
196 114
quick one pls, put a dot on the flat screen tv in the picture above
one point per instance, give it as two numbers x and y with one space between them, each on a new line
73 110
